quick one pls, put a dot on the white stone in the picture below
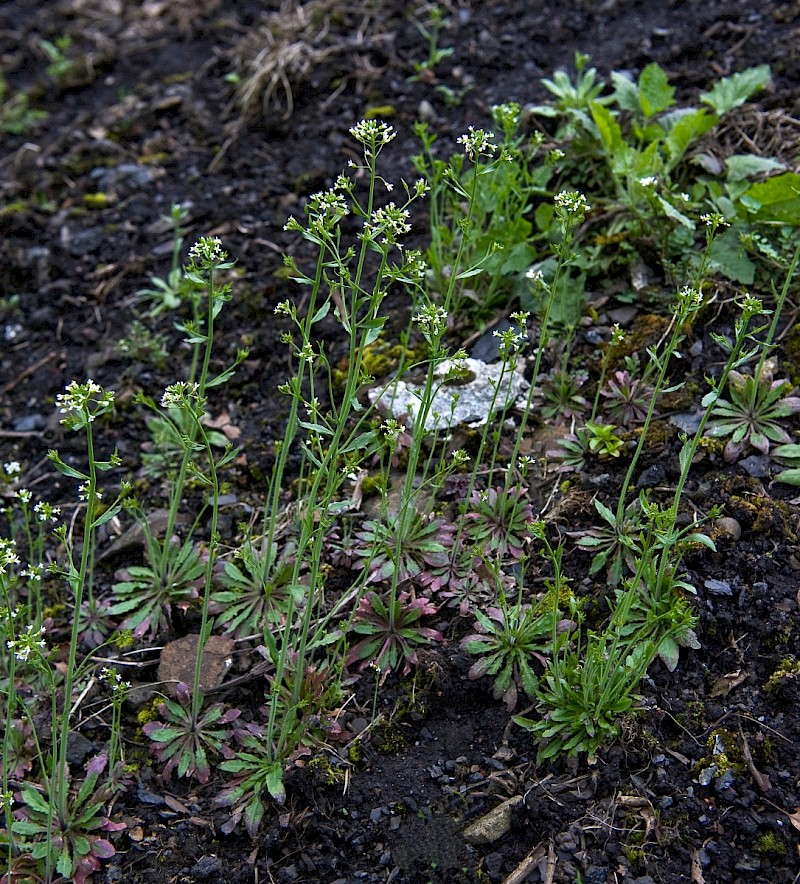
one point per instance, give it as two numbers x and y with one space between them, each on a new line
467 401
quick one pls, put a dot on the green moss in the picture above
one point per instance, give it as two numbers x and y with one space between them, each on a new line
371 486
324 772
791 354
788 668
96 200
770 844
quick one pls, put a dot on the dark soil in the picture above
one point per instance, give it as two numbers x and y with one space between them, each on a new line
148 120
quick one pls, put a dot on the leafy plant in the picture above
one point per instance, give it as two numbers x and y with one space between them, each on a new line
626 398
560 390
257 593
177 288
508 639
71 843
16 116
496 521
393 631
166 449
183 739
618 543
755 411
430 31
257 768
147 596
584 692
391 549
56 51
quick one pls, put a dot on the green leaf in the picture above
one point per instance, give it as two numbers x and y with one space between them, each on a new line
669 653
776 199
685 130
626 92
742 166
66 470
729 258
608 127
671 212
730 92
655 93
788 477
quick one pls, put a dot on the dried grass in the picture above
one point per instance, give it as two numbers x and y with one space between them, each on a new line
282 53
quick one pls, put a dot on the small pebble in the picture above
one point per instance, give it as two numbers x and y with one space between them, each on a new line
729 528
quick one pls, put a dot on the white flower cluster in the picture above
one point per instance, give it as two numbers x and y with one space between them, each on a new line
477 142
31 640
371 133
8 555
432 320
82 403
572 202
207 252
179 394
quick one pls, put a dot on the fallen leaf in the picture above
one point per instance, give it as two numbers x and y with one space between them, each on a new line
174 804
794 819
726 683
697 868
761 780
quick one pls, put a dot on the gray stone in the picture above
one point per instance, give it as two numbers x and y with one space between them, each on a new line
78 747
206 868
756 465
460 401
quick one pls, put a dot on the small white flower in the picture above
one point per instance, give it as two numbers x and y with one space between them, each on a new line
477 142
12 468
648 181
24 495
572 202
207 251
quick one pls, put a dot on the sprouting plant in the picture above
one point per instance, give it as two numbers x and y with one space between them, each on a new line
258 769
16 117
496 521
755 411
72 843
626 398
60 63
573 101
508 638
165 451
143 345
177 288
184 740
392 631
602 440
410 551
256 593
430 31
560 393
148 592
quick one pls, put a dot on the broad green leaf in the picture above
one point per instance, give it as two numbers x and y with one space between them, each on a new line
730 92
776 199
789 477
626 92
655 93
687 127
608 127
671 212
742 166
729 258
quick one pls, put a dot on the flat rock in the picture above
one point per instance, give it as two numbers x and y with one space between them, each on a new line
178 660
467 401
